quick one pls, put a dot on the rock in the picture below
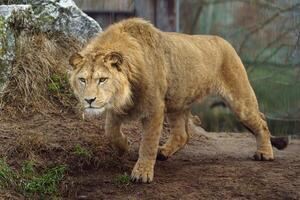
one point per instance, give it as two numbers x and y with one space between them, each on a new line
62 15
7 39
65 16
49 16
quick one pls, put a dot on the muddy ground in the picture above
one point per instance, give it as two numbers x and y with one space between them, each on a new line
211 166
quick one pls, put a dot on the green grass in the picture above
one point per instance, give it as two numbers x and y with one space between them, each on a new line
46 183
57 83
7 175
122 180
277 89
278 93
60 91
29 182
81 151
28 169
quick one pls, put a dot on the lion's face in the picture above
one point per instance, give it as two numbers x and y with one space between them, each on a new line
99 83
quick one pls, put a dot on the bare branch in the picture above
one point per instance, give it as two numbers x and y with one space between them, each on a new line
265 23
273 64
278 38
281 119
261 3
273 53
195 20
296 45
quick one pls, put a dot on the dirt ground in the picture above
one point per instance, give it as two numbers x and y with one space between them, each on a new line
211 166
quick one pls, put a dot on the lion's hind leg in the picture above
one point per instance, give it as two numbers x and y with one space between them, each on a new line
239 95
178 135
246 110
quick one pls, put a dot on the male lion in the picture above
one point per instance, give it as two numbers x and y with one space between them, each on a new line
133 70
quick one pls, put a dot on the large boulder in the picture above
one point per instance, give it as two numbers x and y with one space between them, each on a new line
48 16
65 16
7 39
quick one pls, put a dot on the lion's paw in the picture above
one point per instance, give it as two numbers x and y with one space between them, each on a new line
260 156
161 156
143 172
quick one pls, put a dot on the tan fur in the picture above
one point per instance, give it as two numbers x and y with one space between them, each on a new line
152 72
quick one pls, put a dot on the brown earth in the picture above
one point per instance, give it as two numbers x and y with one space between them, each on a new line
211 166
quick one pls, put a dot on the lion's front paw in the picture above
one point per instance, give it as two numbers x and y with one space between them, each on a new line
161 155
261 156
143 172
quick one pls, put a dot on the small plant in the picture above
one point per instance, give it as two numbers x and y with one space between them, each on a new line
46 183
59 84
56 83
81 151
29 182
60 90
122 180
7 175
28 169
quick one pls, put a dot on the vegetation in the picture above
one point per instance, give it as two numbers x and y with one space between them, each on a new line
57 83
29 181
122 180
59 88
81 151
277 90
270 55
7 175
7 2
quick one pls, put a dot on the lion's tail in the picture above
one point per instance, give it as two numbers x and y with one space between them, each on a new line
280 142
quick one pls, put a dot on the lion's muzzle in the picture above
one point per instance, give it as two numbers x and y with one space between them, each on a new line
93 112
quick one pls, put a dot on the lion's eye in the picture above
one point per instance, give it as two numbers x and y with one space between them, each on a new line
82 80
102 80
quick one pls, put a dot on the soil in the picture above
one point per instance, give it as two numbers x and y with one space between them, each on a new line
211 166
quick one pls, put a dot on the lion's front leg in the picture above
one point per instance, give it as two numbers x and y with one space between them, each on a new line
143 170
117 139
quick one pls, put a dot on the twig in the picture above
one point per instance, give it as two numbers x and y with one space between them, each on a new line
273 53
282 119
249 62
271 75
279 37
195 20
251 68
261 3
296 45
265 23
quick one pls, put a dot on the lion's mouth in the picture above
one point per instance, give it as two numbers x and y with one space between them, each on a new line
94 111
92 107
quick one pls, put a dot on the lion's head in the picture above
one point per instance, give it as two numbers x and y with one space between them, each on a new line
107 71
100 82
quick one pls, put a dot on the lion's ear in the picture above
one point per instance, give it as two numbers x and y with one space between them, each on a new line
114 59
75 59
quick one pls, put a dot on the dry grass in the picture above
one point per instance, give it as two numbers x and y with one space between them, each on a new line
38 59
36 124
52 140
38 85
28 146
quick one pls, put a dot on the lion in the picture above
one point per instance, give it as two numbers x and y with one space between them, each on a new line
132 70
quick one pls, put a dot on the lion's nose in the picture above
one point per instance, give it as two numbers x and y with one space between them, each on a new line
90 100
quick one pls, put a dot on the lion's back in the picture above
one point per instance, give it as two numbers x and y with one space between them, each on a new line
185 65
180 66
